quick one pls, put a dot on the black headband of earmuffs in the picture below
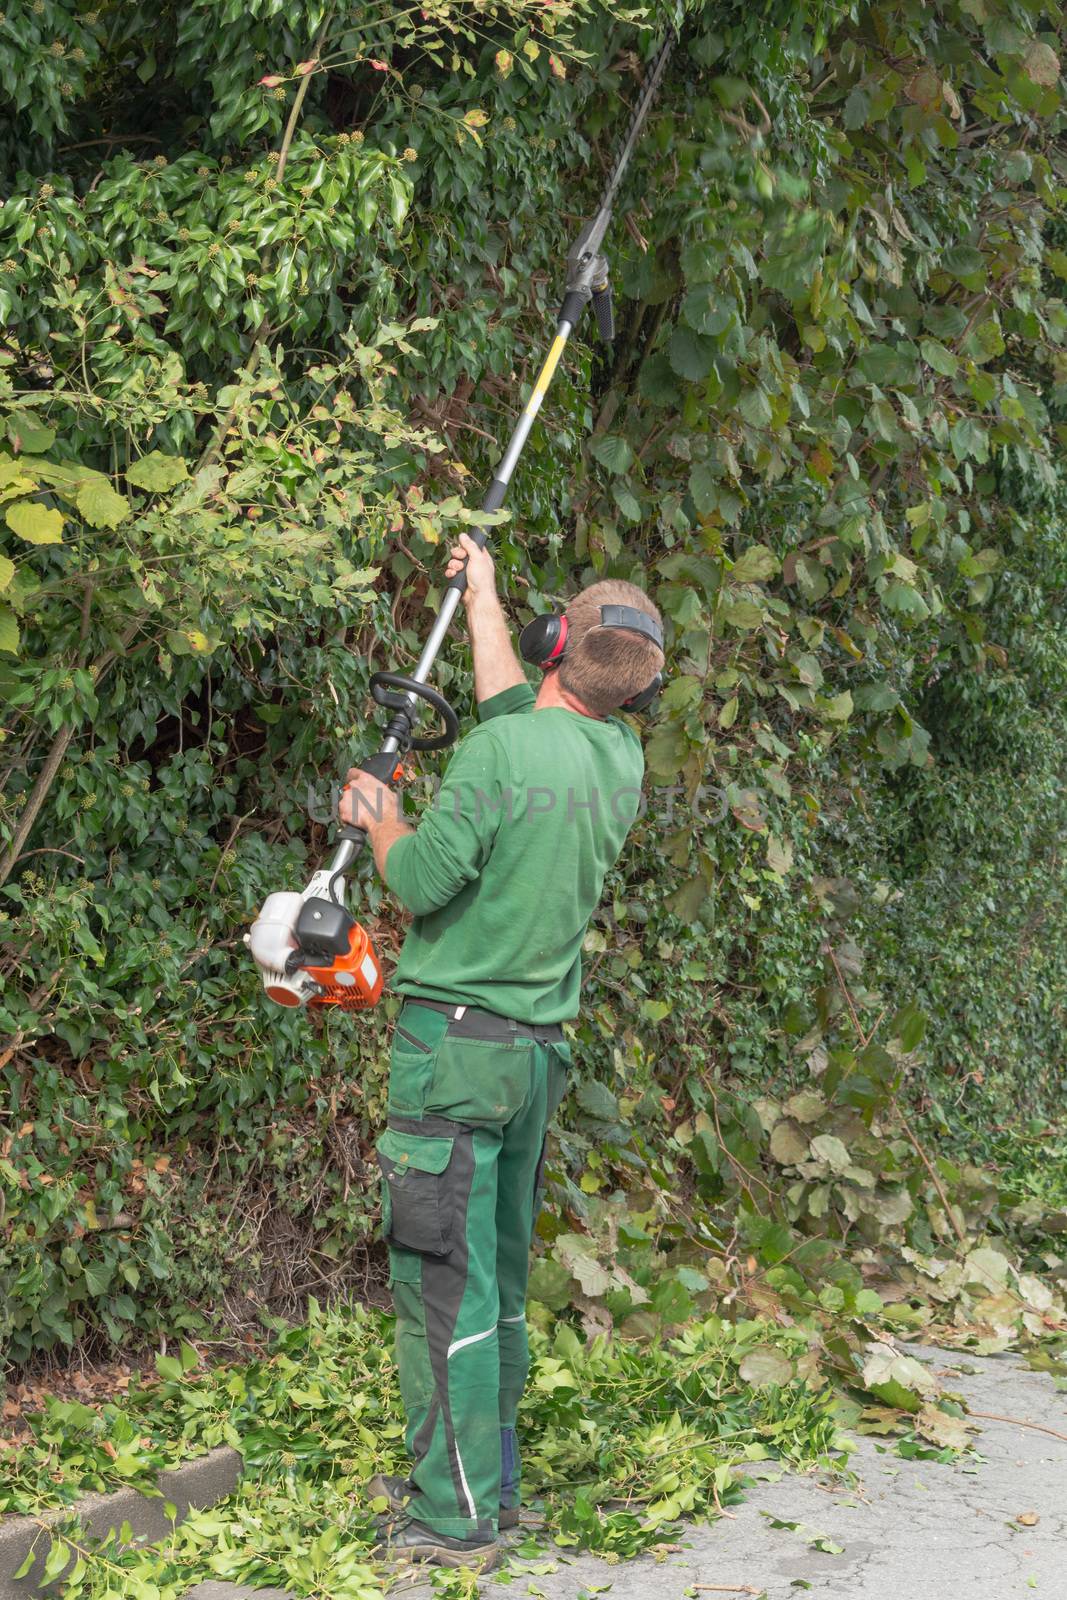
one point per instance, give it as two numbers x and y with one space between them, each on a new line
543 642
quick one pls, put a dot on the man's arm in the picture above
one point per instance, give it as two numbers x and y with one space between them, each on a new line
367 803
428 866
496 666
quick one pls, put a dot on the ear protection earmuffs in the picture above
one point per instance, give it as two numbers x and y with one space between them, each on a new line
543 642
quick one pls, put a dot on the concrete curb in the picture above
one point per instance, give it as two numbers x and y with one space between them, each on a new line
216 1589
190 1487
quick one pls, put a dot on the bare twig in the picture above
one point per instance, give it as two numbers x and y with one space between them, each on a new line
38 795
234 831
935 1180
1017 1422
848 998
53 761
112 138
53 850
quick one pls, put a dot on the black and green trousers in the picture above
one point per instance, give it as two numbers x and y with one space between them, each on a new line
462 1159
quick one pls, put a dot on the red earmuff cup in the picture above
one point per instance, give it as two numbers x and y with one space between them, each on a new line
559 646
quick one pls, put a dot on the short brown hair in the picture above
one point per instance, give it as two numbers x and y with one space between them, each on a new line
602 667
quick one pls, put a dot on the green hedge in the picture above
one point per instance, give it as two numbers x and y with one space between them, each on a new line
260 340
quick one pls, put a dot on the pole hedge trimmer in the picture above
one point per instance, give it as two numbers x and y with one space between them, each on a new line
310 950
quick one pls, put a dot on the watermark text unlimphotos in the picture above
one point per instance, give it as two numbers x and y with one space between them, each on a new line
567 806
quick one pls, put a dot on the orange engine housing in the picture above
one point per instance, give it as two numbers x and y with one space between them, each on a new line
352 981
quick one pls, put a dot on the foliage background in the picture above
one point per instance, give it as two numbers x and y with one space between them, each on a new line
260 342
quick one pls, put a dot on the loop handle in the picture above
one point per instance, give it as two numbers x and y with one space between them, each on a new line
393 690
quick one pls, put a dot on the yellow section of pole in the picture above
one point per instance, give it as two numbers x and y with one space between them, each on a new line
544 377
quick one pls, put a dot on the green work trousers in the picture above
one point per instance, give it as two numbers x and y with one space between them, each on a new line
462 1163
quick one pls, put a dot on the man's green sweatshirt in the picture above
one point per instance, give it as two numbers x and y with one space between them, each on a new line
505 870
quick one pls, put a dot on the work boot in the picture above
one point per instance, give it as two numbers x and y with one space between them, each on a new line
404 1539
397 1491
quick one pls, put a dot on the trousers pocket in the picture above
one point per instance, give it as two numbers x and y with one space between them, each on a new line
411 1060
479 1081
418 1207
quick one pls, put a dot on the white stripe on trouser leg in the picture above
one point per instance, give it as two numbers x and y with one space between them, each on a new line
520 1318
471 1512
472 1338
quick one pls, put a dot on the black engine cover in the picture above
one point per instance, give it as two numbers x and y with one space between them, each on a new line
322 931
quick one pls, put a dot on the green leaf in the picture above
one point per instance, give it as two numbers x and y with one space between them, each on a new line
550 1284
97 1277
9 631
967 264
656 380
886 364
977 565
730 92
970 439
169 1367
826 1147
909 1026
755 407
704 487
157 472
690 354
808 670
937 356
597 1100
399 199
898 1380
35 523
779 854
875 697
905 601
687 901
836 708
754 565
99 504
788 1145
7 571
742 614
666 750
28 434
1041 64
765 1367
705 312
805 1106
680 693
613 452
57 1559
856 109
627 502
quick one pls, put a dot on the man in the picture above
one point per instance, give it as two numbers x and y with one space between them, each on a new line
502 876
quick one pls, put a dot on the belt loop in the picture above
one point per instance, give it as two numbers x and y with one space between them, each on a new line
512 1025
